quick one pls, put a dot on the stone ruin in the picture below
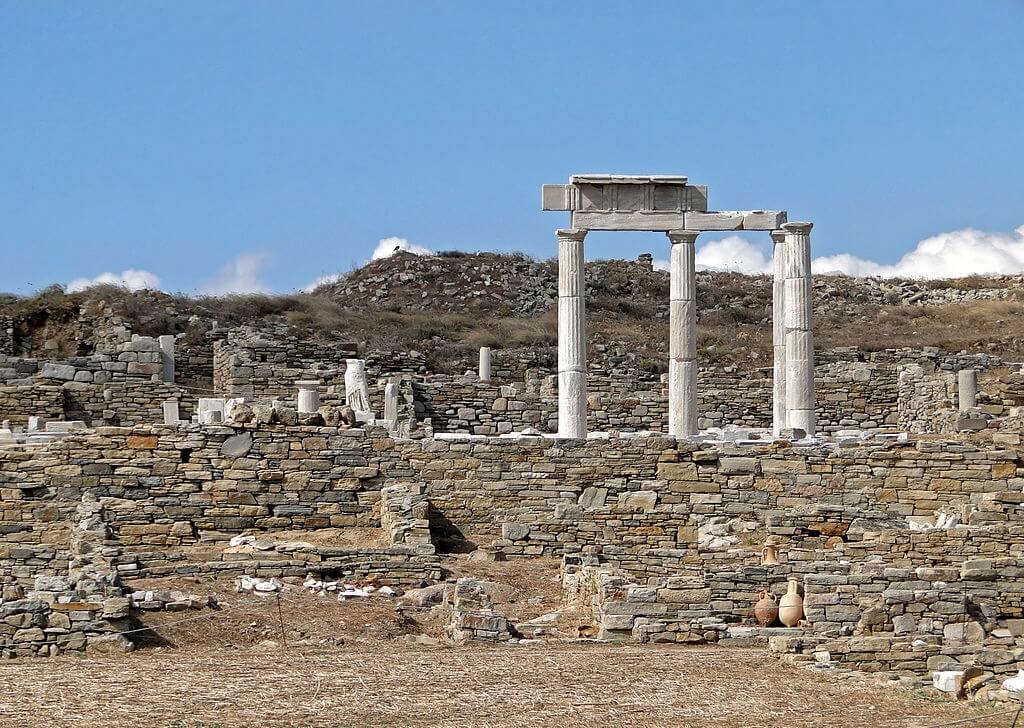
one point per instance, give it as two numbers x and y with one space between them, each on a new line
887 487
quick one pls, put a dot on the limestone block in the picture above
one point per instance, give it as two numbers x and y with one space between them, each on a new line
763 219
729 220
642 499
63 372
642 220
556 197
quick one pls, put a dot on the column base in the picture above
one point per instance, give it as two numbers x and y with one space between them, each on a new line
802 419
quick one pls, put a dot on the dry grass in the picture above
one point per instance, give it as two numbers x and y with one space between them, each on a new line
535 685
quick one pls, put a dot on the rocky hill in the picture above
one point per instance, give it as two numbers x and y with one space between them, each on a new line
449 304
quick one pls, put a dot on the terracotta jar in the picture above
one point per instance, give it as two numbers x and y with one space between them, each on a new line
769 554
791 606
766 610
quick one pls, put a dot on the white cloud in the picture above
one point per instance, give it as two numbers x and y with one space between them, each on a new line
132 279
732 254
241 275
946 255
388 246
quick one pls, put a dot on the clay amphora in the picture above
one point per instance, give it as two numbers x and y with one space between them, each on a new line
769 555
766 610
791 606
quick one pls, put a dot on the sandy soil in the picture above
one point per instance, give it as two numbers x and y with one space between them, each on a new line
392 684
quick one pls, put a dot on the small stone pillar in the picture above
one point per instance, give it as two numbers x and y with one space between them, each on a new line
171 414
167 350
682 335
309 397
36 424
779 331
484 371
572 335
967 389
391 404
799 304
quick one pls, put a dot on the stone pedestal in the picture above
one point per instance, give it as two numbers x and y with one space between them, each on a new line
166 343
967 389
484 370
779 332
572 335
308 400
799 305
682 365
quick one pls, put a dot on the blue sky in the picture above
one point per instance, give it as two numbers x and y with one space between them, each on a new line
235 145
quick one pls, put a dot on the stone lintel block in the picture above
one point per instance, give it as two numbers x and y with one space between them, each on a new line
714 221
640 220
766 220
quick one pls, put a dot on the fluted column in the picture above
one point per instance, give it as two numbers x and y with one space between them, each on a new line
572 335
798 301
779 332
682 325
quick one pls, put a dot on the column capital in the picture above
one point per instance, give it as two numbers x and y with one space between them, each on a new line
778 236
797 227
571 234
682 236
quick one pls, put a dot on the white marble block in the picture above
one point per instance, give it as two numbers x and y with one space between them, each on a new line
210 410
171 414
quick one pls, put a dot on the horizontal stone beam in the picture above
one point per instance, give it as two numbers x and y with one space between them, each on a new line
735 220
663 196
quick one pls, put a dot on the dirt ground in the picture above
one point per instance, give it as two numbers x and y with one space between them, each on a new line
398 685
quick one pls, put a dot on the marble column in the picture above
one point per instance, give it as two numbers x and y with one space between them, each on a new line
572 335
682 335
799 304
779 331
967 389
484 370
